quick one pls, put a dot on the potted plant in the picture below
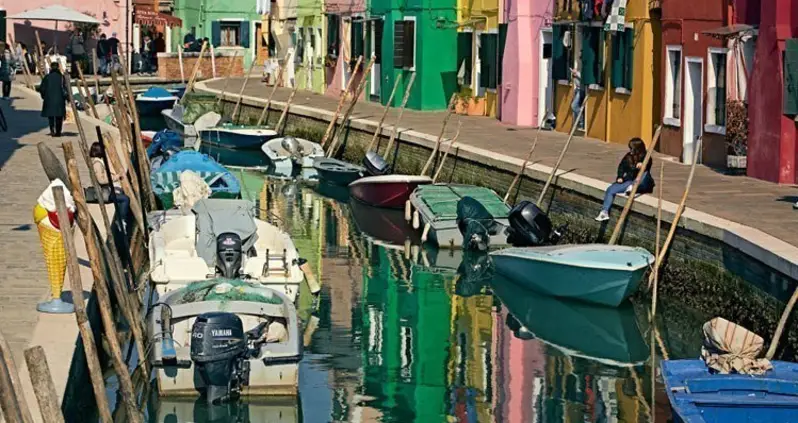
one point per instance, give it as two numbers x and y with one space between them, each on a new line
737 135
467 104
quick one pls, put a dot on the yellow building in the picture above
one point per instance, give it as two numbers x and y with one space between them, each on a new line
617 69
478 56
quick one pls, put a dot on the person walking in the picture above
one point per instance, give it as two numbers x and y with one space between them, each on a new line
628 168
113 53
6 69
103 53
53 91
76 52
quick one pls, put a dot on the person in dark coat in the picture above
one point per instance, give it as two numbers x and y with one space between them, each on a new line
6 69
53 91
76 51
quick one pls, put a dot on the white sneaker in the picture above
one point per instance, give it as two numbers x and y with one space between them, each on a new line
602 216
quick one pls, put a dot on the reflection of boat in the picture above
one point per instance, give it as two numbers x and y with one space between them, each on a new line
237 136
335 192
389 191
437 207
698 396
608 335
387 225
597 273
222 237
154 100
277 409
166 177
338 172
286 152
234 157
223 337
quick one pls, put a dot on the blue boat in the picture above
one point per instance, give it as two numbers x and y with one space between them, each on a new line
154 100
164 140
699 396
240 137
166 178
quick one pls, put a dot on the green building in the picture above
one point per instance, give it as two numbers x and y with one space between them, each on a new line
228 24
415 36
309 45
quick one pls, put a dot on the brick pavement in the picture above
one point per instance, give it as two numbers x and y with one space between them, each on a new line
751 202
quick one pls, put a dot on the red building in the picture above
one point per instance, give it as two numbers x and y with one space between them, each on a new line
694 82
772 148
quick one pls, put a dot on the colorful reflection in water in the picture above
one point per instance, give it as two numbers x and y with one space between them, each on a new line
402 335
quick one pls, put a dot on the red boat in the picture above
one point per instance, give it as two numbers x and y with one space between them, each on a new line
389 191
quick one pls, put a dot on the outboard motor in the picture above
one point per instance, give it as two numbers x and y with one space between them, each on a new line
229 254
376 165
530 226
476 224
219 351
292 146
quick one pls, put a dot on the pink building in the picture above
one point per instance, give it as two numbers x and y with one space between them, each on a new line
526 89
111 13
346 36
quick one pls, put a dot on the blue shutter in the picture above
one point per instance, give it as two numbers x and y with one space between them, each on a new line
245 34
559 64
588 57
629 34
216 33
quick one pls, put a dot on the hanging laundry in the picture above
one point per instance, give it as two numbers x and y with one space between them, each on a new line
586 8
616 21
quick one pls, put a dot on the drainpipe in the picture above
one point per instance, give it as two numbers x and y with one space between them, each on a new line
607 88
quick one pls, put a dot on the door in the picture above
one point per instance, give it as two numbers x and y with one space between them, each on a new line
545 87
693 106
374 43
261 43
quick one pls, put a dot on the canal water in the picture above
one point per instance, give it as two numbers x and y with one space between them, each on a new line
411 334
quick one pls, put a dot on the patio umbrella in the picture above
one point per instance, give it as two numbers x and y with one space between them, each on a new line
55 13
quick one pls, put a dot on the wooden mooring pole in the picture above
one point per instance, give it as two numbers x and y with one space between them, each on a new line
284 115
12 397
399 118
230 68
42 380
277 82
446 154
562 154
234 115
449 111
334 121
378 131
355 97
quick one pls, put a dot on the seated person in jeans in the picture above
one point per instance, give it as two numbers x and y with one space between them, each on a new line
98 167
628 169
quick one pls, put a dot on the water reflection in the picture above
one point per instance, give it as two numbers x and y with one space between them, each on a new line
412 334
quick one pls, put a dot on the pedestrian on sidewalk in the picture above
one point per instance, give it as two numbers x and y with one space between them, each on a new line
76 52
99 169
6 69
579 97
103 53
53 91
628 168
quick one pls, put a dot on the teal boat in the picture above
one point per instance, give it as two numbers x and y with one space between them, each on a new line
241 137
595 273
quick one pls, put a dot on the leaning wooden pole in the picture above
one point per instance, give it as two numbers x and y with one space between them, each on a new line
94 244
42 62
24 64
401 113
356 96
774 343
329 131
12 398
385 111
446 154
616 233
230 68
96 78
190 85
180 61
656 247
522 168
86 334
43 386
88 93
277 82
284 116
449 111
562 154
234 115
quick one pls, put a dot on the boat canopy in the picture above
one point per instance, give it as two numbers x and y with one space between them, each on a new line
218 216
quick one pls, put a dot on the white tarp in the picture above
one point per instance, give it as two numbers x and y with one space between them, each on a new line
55 13
731 348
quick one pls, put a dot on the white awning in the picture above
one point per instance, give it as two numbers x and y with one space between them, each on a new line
55 13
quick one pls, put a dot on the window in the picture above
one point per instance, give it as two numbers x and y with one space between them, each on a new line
592 56
465 58
357 46
333 35
716 91
404 43
378 28
488 58
622 59
230 33
561 56
673 85
299 45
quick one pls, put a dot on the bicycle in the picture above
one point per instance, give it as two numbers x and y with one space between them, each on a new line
3 123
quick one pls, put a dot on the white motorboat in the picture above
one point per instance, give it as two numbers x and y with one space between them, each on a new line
221 237
286 152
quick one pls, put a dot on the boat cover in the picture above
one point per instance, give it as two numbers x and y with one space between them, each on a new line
475 223
157 93
191 190
731 348
167 177
218 216
162 141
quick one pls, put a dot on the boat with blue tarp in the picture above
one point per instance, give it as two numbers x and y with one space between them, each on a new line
166 178
155 99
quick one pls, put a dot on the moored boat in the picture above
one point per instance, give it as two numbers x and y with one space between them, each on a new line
389 191
237 136
338 172
384 225
166 178
154 100
596 273
223 338
285 152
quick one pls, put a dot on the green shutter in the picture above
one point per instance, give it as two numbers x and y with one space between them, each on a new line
791 76
245 34
398 44
488 55
588 57
601 37
464 49
559 65
618 41
502 43
629 54
356 40
216 33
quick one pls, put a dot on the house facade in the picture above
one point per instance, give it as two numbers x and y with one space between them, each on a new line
310 47
478 56
526 91
404 25
614 55
346 23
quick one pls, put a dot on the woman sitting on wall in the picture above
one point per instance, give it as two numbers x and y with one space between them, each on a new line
628 169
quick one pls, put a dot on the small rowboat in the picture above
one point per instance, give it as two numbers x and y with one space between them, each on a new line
338 172
287 152
240 137
596 273
389 191
153 101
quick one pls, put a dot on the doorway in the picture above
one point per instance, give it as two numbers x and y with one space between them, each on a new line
693 106
375 42
545 86
261 43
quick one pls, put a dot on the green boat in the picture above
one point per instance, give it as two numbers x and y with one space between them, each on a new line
596 273
436 206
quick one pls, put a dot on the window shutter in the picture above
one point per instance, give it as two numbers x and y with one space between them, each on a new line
629 46
464 50
488 55
378 28
790 75
332 35
618 54
245 34
588 57
398 44
409 51
559 66
216 33
356 40
502 42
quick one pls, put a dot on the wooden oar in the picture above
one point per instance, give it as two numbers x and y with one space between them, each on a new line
230 68
524 164
446 154
401 113
284 115
234 115
562 153
616 233
358 91
329 131
656 247
277 83
449 110
384 113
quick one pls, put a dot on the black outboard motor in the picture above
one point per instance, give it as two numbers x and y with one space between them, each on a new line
529 225
229 254
219 351
375 165
476 224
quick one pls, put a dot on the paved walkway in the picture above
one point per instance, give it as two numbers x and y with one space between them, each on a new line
751 202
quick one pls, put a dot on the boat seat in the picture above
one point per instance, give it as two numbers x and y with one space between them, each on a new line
185 269
184 247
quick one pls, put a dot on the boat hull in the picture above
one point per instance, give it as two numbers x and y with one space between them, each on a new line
230 138
147 107
604 286
264 380
390 191
174 122
337 172
696 396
